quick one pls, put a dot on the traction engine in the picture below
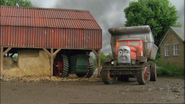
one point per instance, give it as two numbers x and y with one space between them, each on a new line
132 48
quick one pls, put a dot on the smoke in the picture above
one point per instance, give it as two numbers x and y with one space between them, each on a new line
107 13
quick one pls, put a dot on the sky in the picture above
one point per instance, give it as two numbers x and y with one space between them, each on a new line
107 13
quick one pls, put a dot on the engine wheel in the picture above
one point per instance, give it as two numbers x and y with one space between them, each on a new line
123 78
61 65
153 70
90 69
143 76
106 77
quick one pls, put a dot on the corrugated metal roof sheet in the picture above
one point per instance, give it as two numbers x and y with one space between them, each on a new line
49 28
41 17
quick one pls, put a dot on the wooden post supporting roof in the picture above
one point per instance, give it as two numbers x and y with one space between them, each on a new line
98 54
51 54
1 58
99 62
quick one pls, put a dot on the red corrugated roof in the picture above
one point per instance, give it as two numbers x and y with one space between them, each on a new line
43 17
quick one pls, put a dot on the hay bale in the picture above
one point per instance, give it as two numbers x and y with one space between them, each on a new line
8 63
33 63
10 67
11 72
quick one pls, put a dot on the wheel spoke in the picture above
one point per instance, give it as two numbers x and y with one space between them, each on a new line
143 76
146 73
61 65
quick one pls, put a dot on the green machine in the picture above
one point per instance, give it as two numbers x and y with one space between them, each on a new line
80 64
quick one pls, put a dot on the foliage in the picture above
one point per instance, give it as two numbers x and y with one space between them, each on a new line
54 58
103 56
168 69
158 55
158 14
15 57
23 3
109 55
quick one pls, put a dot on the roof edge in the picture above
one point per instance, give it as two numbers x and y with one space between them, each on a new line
177 34
167 34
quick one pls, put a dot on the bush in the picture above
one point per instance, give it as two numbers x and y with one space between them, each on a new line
168 69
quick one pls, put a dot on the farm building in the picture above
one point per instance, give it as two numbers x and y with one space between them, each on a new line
69 34
172 46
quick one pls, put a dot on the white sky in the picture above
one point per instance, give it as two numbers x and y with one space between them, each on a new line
52 4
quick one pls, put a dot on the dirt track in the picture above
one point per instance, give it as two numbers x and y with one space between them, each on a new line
165 90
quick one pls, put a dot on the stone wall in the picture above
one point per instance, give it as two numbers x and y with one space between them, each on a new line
170 39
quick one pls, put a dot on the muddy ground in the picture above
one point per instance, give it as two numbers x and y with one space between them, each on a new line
33 90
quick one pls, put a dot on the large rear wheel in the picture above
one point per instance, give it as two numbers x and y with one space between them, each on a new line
153 70
106 77
90 69
143 76
61 65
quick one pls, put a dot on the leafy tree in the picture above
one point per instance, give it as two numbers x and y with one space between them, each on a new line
109 55
23 3
158 14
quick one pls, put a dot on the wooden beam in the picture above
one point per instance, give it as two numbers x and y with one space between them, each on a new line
47 51
51 54
98 54
51 62
95 53
12 54
9 48
1 62
99 62
8 54
56 51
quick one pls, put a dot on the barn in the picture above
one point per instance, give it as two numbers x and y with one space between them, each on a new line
59 32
